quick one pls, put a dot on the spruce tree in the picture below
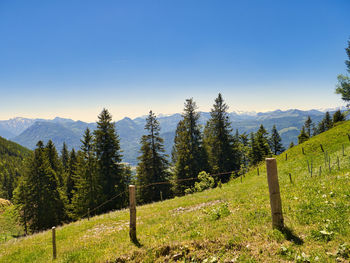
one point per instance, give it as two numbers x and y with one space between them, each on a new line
308 126
262 140
188 154
65 157
71 175
54 161
328 121
338 116
255 155
223 153
153 165
88 188
303 137
291 145
41 206
108 155
275 142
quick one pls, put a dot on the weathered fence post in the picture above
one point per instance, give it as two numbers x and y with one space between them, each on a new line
290 178
321 148
54 251
257 169
311 168
161 196
303 150
132 204
274 189
338 162
286 156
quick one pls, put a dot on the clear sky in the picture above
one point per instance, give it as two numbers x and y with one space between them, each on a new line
72 58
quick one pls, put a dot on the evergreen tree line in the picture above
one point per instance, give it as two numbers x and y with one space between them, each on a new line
60 188
56 189
310 129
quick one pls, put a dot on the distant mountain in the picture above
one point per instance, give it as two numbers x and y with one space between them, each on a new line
28 132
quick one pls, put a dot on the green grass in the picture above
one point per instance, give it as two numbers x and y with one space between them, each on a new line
228 224
9 227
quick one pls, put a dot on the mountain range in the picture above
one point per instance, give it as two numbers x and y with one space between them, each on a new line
27 132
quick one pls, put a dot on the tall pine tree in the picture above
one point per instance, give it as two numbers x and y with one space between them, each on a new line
55 162
109 167
71 176
153 165
37 197
302 136
338 116
276 142
88 188
308 126
188 154
222 150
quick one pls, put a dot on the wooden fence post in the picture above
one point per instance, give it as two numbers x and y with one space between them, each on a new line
132 204
338 162
290 178
274 189
257 169
54 251
286 156
321 148
303 150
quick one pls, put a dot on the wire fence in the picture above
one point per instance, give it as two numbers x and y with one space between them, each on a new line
87 214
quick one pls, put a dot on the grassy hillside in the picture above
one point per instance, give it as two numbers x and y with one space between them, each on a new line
228 224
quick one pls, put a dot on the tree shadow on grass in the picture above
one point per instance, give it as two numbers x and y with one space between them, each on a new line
291 236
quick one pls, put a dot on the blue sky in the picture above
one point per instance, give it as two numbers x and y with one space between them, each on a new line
72 58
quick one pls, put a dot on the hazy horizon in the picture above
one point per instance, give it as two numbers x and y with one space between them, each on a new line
160 114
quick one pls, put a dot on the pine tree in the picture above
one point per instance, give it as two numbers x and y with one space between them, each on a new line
308 126
71 175
188 154
88 188
275 142
54 161
303 137
153 165
291 145
262 139
37 197
338 116
328 121
108 156
223 153
255 155
65 157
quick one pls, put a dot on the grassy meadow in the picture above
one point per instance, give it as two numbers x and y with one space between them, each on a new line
227 224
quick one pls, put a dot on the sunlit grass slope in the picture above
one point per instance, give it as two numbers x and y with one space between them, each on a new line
228 224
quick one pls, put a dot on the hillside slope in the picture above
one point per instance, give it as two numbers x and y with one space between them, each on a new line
228 224
12 156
